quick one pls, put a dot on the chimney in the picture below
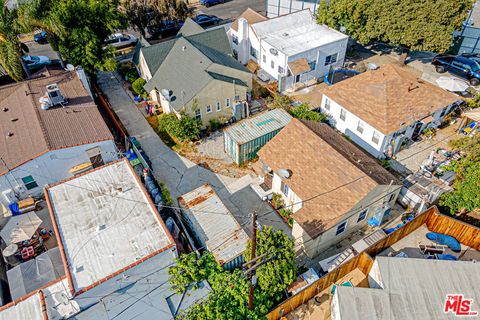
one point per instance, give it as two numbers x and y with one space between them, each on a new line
243 49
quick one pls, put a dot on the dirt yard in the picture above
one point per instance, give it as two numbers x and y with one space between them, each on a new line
208 152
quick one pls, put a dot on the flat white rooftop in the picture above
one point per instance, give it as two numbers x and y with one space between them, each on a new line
105 222
296 33
410 289
30 308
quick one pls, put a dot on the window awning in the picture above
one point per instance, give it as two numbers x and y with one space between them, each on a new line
298 66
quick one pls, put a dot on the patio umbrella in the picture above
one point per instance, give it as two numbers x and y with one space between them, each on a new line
452 84
20 228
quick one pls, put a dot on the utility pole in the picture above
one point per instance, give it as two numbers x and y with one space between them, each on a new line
254 242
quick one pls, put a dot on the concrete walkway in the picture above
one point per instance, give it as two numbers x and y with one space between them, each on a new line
180 174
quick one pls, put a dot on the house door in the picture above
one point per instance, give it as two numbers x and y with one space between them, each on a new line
267 180
416 130
95 156
296 78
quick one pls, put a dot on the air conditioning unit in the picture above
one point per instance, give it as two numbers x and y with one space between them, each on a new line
55 95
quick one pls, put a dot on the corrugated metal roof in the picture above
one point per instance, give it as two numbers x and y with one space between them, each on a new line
252 128
214 223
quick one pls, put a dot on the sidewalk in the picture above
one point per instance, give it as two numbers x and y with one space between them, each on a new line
180 174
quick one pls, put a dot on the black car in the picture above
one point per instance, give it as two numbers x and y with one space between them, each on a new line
205 20
166 29
464 66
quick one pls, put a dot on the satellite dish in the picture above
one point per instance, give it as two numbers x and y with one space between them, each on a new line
284 173
70 67
165 93
273 51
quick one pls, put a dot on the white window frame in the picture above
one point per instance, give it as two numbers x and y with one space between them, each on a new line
343 114
199 114
376 136
264 59
285 189
331 59
219 106
227 103
360 126
208 108
327 104
360 219
236 98
235 39
344 224
272 64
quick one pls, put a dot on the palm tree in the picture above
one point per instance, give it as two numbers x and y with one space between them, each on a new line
34 15
10 46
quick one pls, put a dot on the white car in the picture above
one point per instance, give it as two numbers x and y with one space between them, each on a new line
121 40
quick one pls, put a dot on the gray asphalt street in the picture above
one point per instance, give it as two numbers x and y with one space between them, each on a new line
233 8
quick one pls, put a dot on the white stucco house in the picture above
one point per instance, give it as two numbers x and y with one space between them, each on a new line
51 129
381 109
332 187
293 49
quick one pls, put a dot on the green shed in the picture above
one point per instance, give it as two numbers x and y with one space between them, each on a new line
244 139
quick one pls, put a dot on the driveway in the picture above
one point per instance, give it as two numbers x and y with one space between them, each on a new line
180 174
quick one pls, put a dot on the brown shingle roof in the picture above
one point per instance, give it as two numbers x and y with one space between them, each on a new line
251 16
388 96
36 131
326 166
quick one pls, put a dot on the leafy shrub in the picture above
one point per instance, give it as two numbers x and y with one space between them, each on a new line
215 124
184 129
132 75
277 201
302 111
137 86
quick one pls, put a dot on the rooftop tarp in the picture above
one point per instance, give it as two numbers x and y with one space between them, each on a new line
20 228
33 274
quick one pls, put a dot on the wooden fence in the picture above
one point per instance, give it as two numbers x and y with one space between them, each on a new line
465 233
435 222
363 262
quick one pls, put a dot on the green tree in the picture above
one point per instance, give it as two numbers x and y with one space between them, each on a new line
279 101
277 274
302 111
35 15
467 181
465 191
186 128
11 49
87 23
173 10
191 270
229 297
138 14
411 24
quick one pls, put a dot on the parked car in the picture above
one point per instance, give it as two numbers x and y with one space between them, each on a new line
40 37
463 66
208 3
166 29
36 62
205 20
121 40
